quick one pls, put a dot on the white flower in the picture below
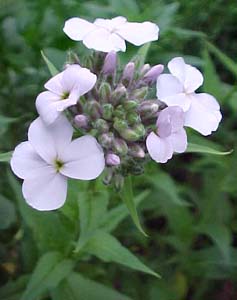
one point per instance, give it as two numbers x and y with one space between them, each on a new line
202 111
109 35
49 157
64 90
170 136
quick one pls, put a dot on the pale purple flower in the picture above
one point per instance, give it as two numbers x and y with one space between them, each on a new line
170 136
64 90
49 157
202 111
109 35
112 159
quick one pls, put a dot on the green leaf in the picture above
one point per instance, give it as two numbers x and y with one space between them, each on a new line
7 212
140 58
13 289
109 249
49 272
52 69
119 213
5 122
195 148
6 157
77 287
128 198
223 58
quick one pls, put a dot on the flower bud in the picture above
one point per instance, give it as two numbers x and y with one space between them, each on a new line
118 181
101 125
130 135
120 147
145 68
137 169
133 118
110 63
128 74
120 125
112 159
148 109
140 93
140 129
81 121
151 76
120 112
136 150
106 139
130 105
104 92
119 94
93 109
107 111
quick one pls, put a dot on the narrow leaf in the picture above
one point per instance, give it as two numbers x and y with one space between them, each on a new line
50 270
140 58
127 196
108 248
6 157
52 69
195 148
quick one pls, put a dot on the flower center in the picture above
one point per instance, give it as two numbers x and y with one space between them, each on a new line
58 164
65 95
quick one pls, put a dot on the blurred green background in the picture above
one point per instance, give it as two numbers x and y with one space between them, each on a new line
191 211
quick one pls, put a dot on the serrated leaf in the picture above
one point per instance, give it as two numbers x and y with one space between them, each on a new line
109 249
49 272
52 69
6 157
77 287
195 148
128 198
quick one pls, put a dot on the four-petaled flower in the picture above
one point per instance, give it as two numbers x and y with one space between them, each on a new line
64 90
109 35
49 157
202 111
170 136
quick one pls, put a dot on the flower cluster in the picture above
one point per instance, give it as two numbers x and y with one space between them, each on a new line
120 122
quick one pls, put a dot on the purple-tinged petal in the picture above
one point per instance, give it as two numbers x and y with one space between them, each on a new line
50 141
46 190
172 117
204 114
159 149
181 100
83 158
54 84
46 105
138 33
179 141
25 161
77 28
168 85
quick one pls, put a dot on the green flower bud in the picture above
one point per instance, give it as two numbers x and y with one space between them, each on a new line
101 125
106 139
105 92
120 112
136 169
93 109
107 111
136 150
130 135
120 147
140 129
140 93
148 109
119 95
130 105
133 118
120 125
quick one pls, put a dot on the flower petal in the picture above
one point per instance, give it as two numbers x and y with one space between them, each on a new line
168 85
50 141
159 149
46 105
179 141
101 40
84 159
46 190
170 120
176 67
182 100
25 161
110 24
78 80
139 33
204 114
77 28
54 84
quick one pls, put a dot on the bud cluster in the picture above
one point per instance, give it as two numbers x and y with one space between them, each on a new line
119 112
